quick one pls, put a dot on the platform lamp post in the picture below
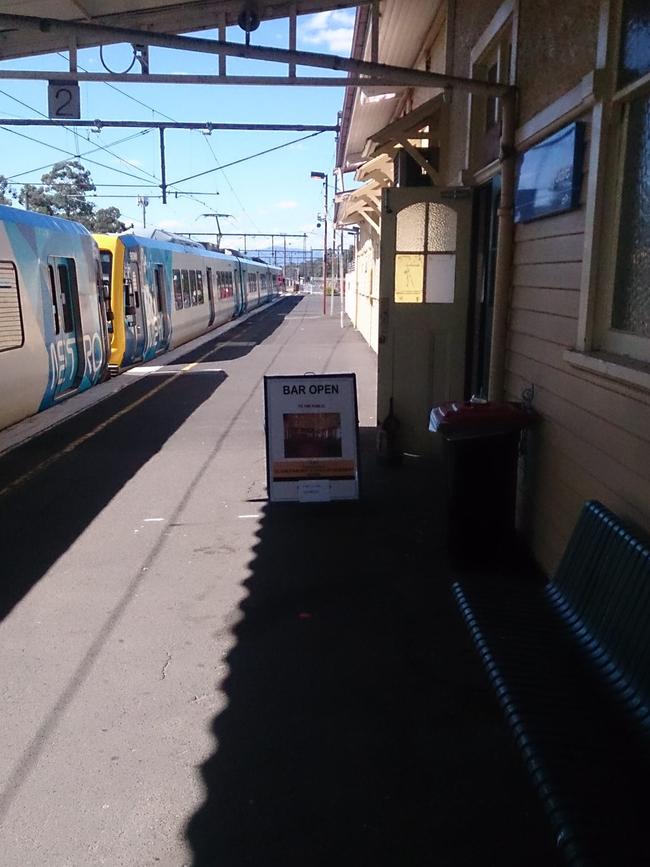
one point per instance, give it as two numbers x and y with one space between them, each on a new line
323 176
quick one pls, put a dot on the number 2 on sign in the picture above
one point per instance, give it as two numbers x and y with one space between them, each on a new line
63 99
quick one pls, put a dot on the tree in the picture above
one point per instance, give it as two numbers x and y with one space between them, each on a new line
6 193
107 220
63 193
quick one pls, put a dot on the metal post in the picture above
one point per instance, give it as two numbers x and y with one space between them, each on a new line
341 279
325 251
333 273
163 172
143 201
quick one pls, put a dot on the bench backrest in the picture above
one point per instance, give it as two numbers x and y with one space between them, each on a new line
604 577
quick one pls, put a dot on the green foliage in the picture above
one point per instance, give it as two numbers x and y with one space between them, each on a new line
6 193
63 192
107 220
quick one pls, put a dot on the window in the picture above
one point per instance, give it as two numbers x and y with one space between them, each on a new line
67 301
158 282
193 291
55 306
185 284
178 292
106 260
12 334
491 60
199 288
425 257
224 283
624 301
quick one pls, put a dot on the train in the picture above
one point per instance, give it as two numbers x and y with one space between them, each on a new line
76 307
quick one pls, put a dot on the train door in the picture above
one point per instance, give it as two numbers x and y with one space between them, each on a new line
210 295
240 289
162 314
106 259
66 350
135 330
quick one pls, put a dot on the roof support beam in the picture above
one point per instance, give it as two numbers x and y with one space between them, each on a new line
152 78
164 124
370 221
93 34
420 160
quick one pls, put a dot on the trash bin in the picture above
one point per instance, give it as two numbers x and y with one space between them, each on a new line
480 452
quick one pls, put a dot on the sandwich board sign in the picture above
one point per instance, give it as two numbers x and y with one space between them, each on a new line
312 437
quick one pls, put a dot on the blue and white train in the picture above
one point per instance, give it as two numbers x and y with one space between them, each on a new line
53 325
73 305
164 290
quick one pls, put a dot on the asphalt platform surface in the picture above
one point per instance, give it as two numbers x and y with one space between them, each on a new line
191 676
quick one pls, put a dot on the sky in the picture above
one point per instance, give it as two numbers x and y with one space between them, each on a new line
268 194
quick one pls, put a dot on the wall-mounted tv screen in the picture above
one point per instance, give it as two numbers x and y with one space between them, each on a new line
549 175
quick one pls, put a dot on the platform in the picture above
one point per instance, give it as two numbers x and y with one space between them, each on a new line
191 676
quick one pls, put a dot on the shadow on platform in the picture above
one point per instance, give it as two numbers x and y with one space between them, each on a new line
359 728
42 515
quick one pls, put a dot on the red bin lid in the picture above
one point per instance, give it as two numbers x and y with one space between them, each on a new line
477 418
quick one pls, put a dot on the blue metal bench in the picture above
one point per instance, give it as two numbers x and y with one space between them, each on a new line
570 664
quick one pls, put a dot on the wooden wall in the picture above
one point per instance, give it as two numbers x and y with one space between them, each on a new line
367 299
594 437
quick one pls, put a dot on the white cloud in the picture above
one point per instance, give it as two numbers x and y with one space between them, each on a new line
135 163
333 30
286 205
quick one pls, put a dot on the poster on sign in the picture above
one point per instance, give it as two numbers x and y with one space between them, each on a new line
312 441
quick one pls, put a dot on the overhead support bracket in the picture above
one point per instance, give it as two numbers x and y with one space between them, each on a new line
163 124
425 165
95 34
163 170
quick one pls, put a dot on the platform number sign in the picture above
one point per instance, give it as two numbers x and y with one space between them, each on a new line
63 100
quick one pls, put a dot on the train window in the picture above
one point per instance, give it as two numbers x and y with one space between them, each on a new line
12 334
65 284
129 301
225 282
104 284
157 276
193 291
55 307
178 292
199 287
135 285
185 283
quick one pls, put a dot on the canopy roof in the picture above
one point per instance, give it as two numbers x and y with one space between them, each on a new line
161 16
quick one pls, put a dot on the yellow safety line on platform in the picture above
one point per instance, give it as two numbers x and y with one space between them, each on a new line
100 427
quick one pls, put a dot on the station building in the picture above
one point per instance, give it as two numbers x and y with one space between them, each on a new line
503 242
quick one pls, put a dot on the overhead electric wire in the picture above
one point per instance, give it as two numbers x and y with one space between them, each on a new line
70 153
232 189
81 157
124 93
174 120
244 159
